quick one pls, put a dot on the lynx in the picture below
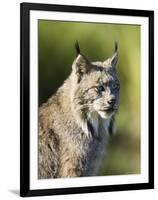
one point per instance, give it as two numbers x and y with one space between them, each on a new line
75 123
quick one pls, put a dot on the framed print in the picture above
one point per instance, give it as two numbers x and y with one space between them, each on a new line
87 99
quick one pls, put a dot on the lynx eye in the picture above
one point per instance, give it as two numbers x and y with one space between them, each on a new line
101 88
114 85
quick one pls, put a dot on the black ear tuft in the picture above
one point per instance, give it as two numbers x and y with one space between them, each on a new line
116 47
77 48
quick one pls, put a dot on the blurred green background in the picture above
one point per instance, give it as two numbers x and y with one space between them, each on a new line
56 54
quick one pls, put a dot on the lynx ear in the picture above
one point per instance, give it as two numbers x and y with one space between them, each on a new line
114 58
81 64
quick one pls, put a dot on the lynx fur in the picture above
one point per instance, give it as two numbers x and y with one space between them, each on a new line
74 123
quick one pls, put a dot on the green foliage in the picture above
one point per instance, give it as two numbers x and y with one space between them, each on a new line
56 54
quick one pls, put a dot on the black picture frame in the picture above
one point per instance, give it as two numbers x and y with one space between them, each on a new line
25 9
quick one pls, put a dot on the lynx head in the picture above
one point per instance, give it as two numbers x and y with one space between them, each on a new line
95 86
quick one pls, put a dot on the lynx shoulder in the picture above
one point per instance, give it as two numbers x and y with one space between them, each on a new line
74 123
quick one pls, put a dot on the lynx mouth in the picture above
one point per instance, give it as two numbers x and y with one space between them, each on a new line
107 110
111 109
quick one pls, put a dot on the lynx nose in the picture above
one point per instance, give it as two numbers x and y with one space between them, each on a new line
112 101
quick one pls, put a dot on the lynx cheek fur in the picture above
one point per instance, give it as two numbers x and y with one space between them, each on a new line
75 122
